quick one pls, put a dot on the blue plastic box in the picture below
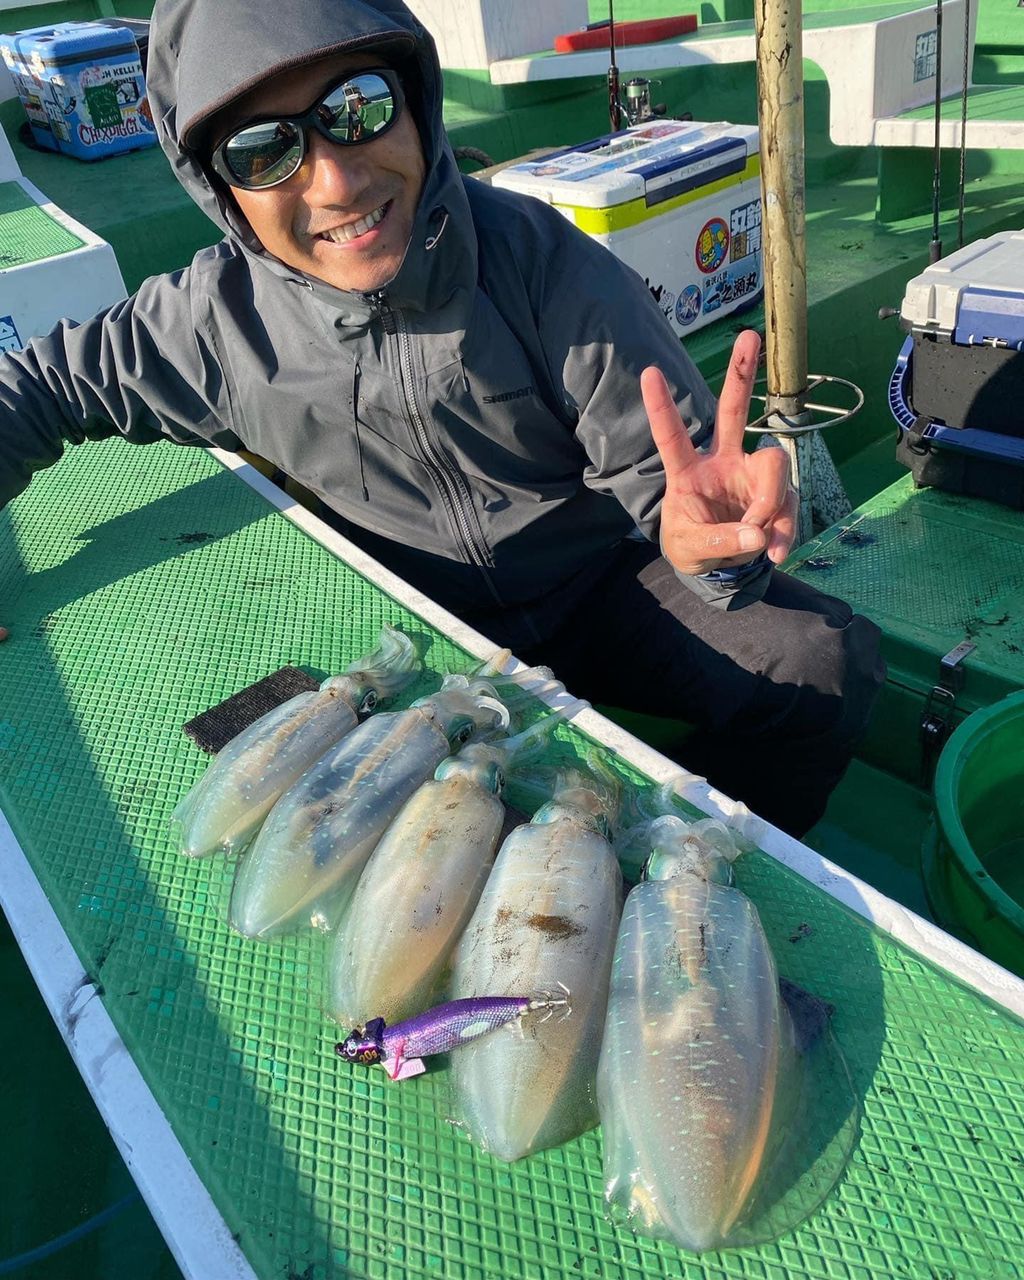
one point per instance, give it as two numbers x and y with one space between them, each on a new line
82 87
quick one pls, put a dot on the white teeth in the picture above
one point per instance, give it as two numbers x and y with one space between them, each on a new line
340 235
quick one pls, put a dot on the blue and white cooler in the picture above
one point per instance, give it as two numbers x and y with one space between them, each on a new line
82 88
957 391
678 201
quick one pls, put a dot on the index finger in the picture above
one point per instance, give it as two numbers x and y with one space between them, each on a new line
734 399
671 438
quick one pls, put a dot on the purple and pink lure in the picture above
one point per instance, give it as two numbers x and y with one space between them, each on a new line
401 1048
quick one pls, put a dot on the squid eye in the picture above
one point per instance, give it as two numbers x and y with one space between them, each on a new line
464 734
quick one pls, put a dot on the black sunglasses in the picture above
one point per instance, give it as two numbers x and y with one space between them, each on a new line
265 152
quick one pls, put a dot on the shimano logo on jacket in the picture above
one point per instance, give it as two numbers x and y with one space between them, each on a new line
508 395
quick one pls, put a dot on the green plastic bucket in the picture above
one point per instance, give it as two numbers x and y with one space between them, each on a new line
973 853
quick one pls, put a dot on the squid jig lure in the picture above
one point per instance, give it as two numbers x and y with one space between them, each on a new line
401 1048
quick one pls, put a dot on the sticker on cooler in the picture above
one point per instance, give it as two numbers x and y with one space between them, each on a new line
728 287
688 305
745 230
665 298
113 105
712 245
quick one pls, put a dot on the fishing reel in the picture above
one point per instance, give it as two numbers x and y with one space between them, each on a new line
636 101
633 106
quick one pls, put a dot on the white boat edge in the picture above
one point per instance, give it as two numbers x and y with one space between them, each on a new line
190 1222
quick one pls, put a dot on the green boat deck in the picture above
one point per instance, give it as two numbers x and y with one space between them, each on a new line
143 585
933 570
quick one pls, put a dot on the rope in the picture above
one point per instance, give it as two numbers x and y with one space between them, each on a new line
475 154
21 1260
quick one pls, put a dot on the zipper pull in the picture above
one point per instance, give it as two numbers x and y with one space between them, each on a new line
379 301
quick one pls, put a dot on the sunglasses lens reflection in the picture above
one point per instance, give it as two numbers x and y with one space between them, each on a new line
269 151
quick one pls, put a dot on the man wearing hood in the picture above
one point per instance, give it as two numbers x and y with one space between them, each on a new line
455 372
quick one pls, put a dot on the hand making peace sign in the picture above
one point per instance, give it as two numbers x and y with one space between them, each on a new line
724 507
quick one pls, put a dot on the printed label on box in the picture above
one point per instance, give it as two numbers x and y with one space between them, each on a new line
925 50
728 287
103 107
9 339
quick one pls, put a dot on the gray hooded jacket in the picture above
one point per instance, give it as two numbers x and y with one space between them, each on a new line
477 425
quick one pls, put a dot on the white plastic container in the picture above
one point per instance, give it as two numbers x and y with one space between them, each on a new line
678 201
984 277
965 315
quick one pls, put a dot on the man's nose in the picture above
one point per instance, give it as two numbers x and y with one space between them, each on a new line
335 174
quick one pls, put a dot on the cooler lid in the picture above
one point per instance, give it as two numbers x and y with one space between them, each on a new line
973 295
66 43
654 161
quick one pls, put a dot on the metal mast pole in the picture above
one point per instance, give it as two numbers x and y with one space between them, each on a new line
780 93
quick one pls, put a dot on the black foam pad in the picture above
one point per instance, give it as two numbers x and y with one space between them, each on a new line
213 729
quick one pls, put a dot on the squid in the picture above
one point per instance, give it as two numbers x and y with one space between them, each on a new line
316 840
704 1087
419 888
547 918
226 807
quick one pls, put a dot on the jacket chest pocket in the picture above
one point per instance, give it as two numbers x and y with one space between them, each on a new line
500 433
328 431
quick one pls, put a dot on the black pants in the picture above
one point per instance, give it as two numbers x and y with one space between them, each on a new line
780 691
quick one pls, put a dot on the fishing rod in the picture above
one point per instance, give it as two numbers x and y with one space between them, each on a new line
963 126
614 103
935 248
636 107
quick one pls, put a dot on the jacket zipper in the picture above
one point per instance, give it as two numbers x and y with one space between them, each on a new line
447 479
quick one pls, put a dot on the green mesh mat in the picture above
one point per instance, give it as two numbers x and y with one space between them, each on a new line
142 586
28 233
932 569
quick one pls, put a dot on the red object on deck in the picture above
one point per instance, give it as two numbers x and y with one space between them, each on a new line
643 31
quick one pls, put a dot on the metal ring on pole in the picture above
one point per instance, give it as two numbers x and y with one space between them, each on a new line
759 427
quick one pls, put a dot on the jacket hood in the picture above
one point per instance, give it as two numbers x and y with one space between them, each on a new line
203 54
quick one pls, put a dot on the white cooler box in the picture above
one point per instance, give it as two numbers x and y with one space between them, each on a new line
679 201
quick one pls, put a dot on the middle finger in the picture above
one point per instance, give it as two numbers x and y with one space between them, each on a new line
768 485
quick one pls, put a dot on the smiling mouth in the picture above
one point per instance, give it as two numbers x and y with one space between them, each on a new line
353 230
